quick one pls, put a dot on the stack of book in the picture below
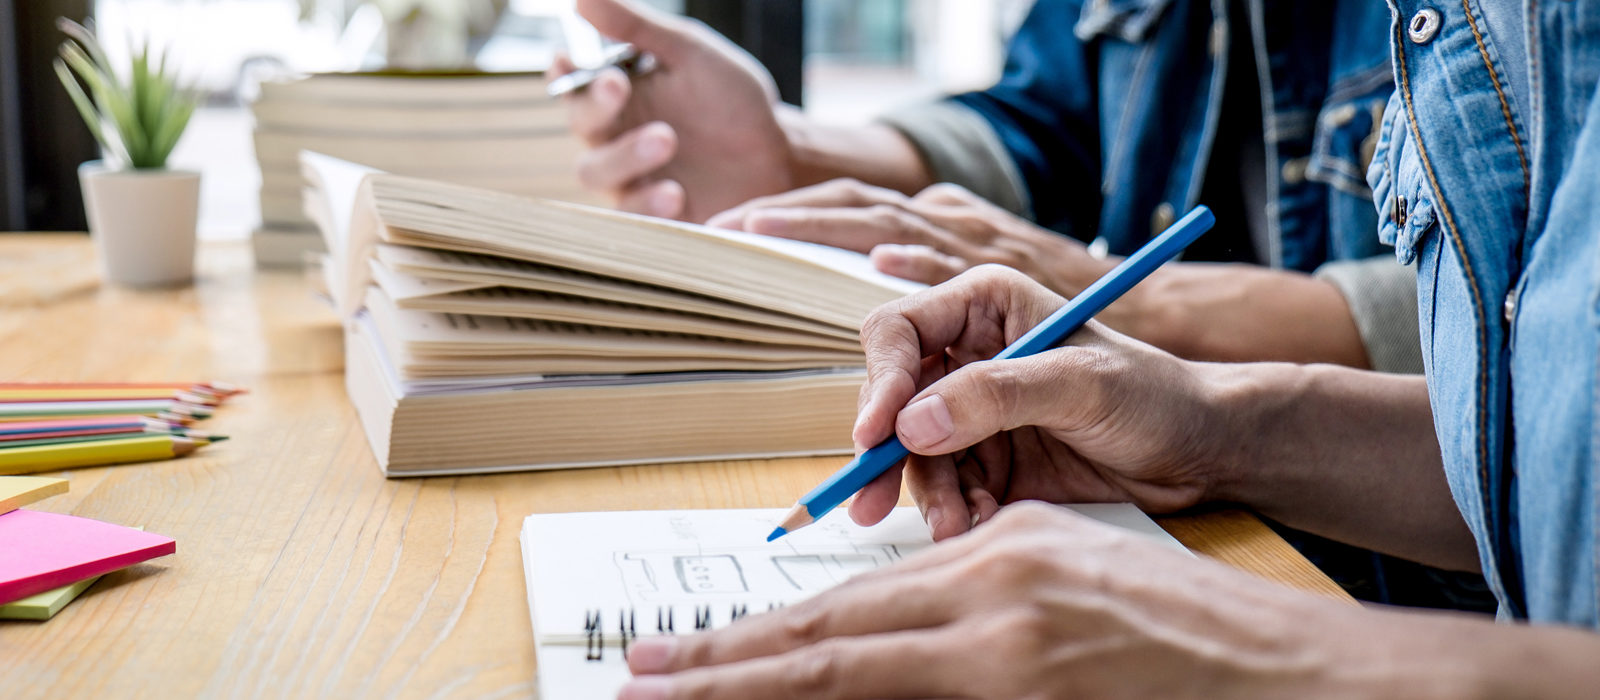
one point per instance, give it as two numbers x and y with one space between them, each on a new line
492 130
492 332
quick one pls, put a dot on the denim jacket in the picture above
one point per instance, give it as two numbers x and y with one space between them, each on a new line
1141 93
1494 194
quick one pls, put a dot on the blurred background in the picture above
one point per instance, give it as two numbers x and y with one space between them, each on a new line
841 60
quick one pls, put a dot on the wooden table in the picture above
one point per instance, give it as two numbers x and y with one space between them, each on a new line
300 570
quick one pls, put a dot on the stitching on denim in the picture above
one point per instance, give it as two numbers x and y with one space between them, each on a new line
1505 105
1472 284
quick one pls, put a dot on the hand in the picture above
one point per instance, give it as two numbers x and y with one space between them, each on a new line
694 136
1040 603
929 238
1105 418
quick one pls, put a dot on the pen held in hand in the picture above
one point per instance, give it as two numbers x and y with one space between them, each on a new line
1050 332
631 60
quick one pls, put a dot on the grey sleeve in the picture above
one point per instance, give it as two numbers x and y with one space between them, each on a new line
1382 295
960 146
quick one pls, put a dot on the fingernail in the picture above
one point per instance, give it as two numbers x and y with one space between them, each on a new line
664 202
647 688
925 423
651 146
935 518
651 655
610 89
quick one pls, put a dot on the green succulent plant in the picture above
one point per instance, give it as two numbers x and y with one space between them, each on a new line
137 118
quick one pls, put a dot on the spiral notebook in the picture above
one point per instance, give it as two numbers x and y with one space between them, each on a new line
598 581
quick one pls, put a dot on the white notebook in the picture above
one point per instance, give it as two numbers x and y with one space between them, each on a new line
592 575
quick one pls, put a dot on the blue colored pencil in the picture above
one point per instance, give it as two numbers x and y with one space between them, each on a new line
1050 332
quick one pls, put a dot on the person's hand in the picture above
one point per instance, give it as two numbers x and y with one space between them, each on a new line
929 238
1102 418
695 136
1040 603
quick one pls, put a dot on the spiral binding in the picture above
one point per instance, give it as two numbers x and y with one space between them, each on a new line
627 629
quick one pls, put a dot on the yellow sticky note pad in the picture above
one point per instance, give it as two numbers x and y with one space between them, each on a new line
43 606
18 491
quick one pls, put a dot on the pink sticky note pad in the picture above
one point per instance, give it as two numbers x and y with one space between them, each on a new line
41 551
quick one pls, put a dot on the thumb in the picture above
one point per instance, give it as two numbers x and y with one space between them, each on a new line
645 27
1055 389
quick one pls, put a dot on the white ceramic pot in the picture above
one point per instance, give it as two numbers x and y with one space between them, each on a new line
142 222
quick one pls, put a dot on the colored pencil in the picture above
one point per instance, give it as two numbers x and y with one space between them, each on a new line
25 460
42 395
43 409
221 389
76 424
161 416
1051 331
69 439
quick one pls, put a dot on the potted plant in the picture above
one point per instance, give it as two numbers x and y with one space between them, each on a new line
141 214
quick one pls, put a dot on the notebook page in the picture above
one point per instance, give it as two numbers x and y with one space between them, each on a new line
650 566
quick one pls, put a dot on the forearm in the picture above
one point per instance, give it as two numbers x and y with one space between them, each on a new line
873 153
1345 454
1452 655
1242 313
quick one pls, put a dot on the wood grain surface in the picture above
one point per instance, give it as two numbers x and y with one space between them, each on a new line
301 571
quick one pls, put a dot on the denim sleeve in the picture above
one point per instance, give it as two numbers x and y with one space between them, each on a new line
1043 111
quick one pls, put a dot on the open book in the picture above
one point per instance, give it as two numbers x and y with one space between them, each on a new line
488 331
598 579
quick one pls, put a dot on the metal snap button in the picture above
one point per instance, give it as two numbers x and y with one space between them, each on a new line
1294 170
1510 306
1424 25
1162 217
1398 213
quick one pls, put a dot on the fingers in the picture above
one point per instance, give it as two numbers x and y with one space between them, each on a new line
975 309
854 228
898 600
593 112
874 501
663 198
919 664
612 165
839 193
918 263
949 193
560 65
1060 388
934 483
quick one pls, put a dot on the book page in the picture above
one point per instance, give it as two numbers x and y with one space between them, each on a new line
504 272
673 572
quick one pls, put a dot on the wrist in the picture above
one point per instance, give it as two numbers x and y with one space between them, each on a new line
1242 398
874 154
803 156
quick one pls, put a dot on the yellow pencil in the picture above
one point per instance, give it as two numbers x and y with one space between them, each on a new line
41 458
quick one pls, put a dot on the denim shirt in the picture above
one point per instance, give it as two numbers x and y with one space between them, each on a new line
1488 179
1142 93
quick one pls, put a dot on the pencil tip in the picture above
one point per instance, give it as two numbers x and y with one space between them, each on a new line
776 533
217 438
